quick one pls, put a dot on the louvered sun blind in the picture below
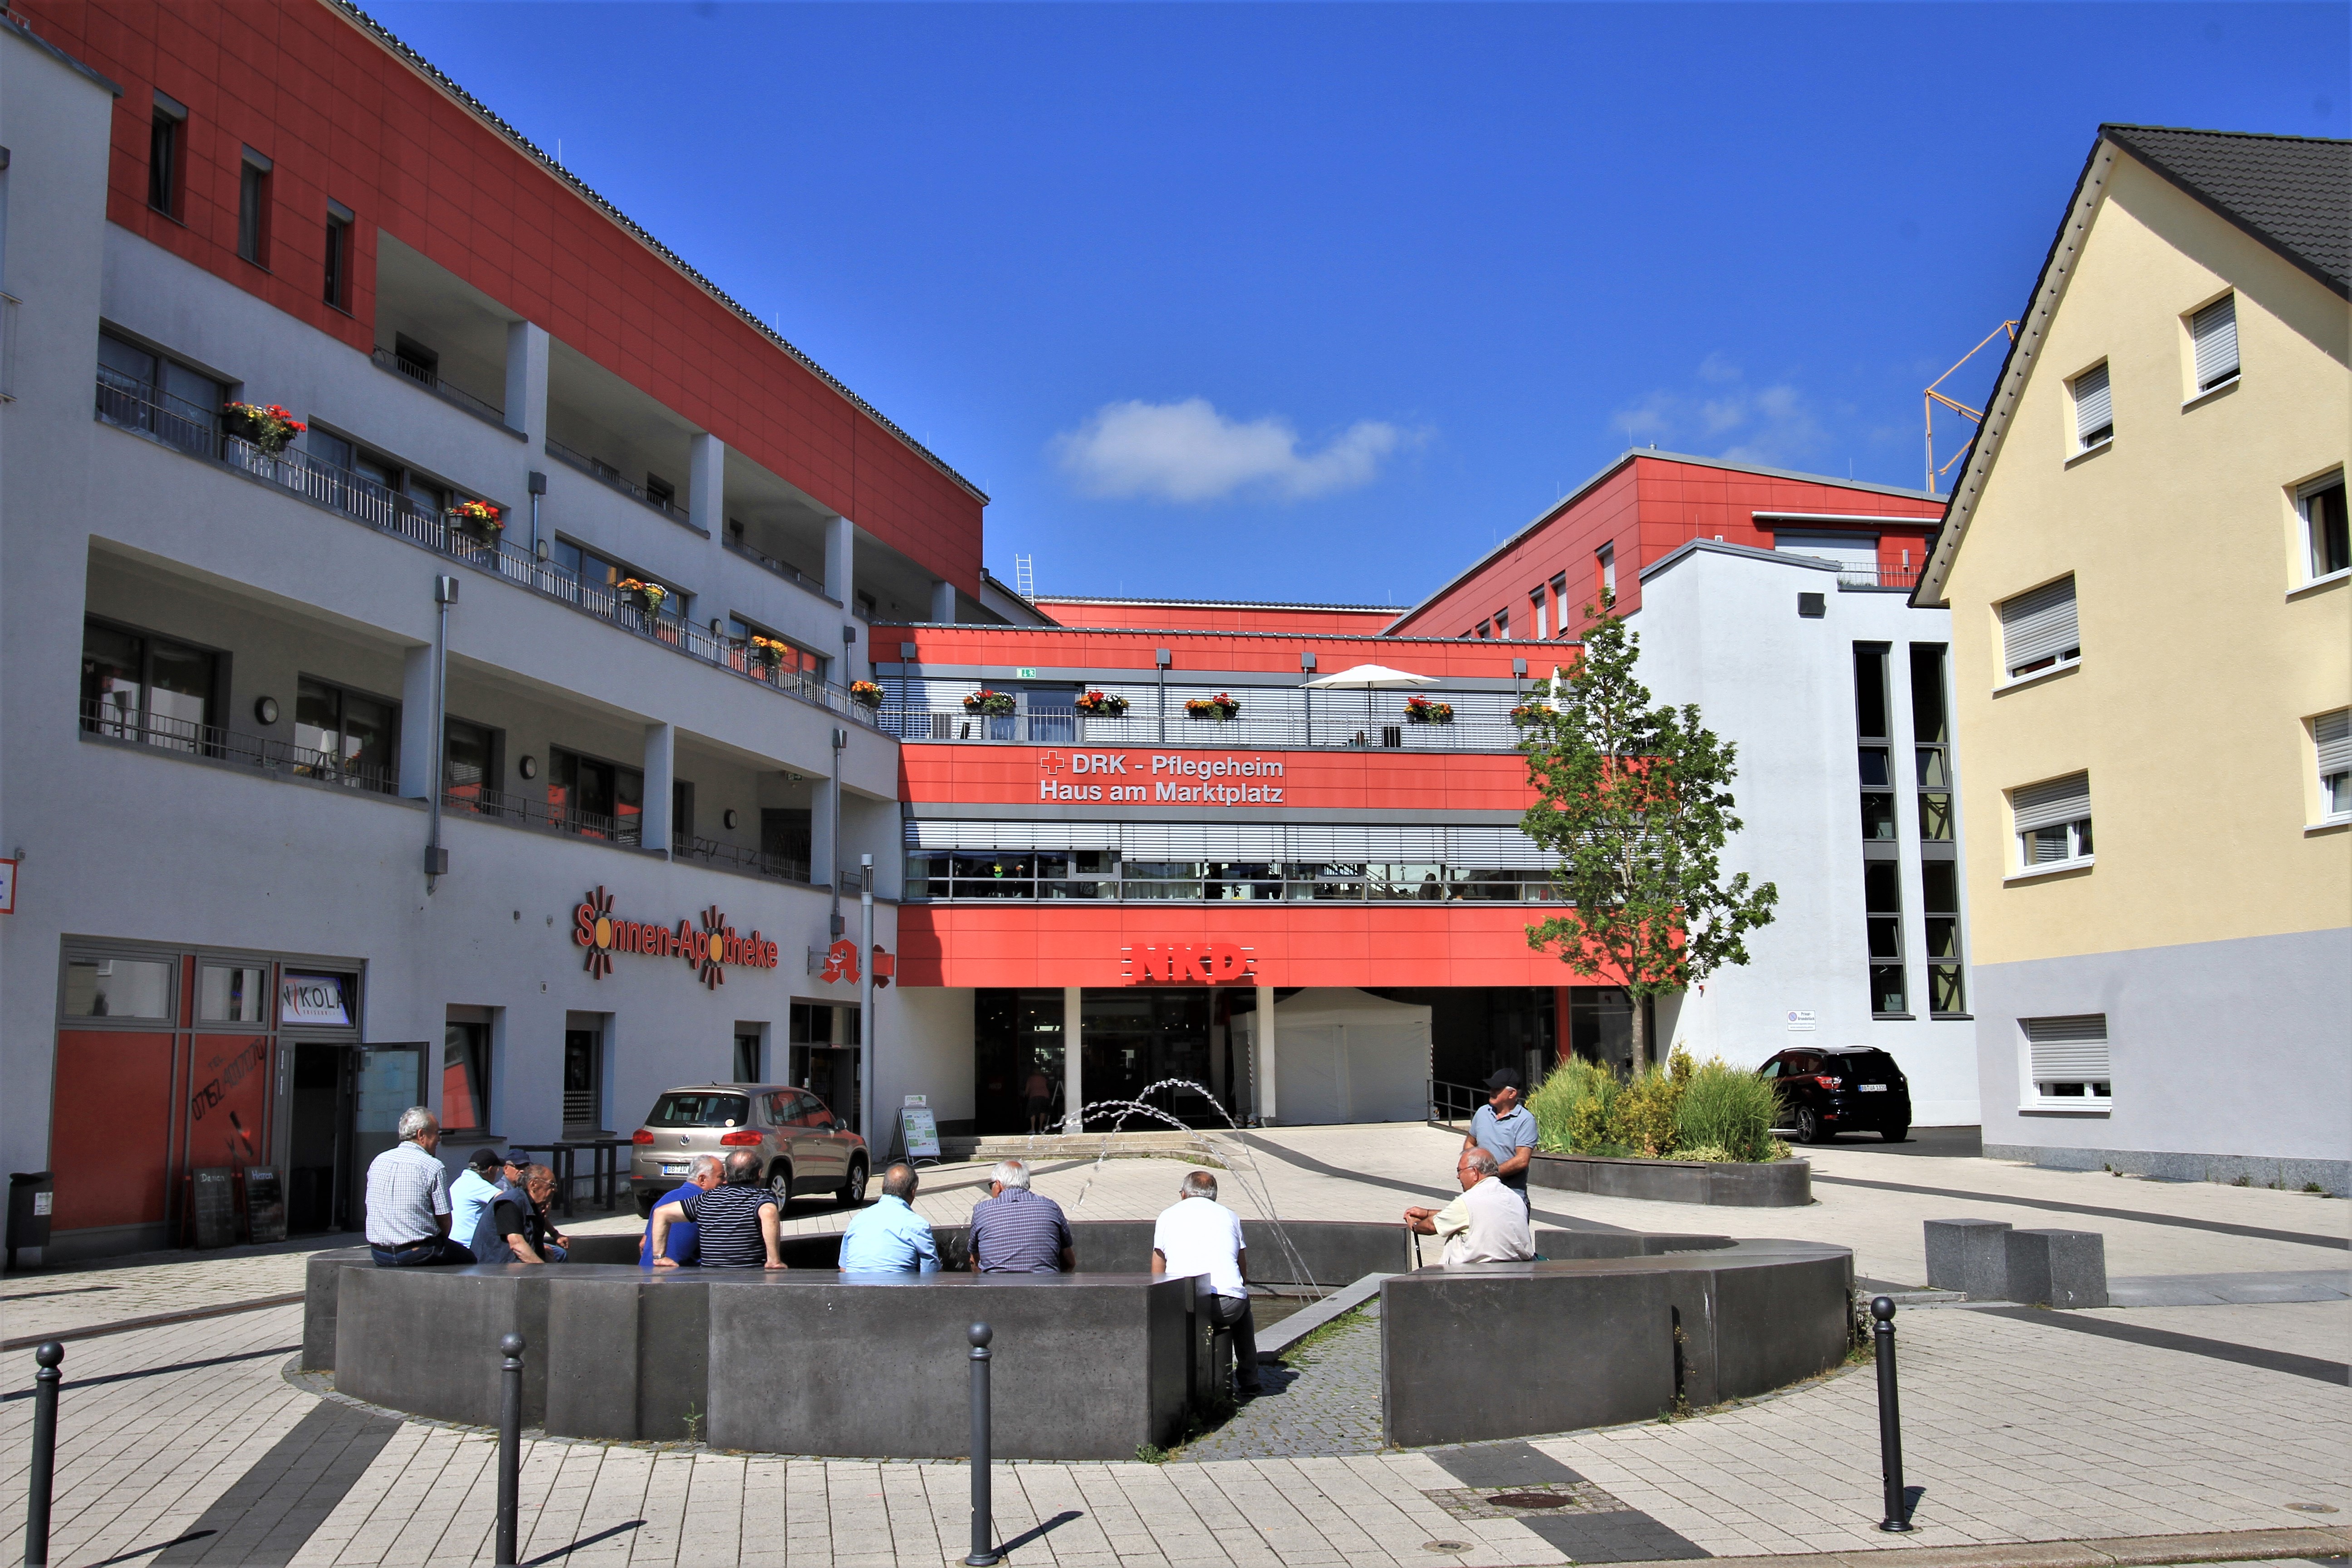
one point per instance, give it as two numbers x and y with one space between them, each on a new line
1379 844
2094 408
2333 733
2041 624
2048 804
2069 1050
2214 329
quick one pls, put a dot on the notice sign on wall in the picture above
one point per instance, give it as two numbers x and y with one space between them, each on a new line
1176 777
314 999
1800 1019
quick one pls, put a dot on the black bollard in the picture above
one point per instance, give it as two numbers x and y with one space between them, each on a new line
1890 1418
983 1523
45 1453
510 1445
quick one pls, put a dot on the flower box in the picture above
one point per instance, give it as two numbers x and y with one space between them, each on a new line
1102 705
1216 709
270 429
1421 710
479 519
1528 713
645 596
987 701
865 693
767 653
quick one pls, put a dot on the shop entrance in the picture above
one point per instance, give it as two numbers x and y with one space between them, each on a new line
320 1164
825 1039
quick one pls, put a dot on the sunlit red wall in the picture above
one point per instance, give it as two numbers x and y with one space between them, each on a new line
1221 617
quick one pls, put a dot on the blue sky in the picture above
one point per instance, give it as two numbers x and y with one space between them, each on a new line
1319 302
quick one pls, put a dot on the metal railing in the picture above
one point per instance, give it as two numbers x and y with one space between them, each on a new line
471 800
759 862
789 572
1068 727
111 721
1454 1104
940 880
449 391
1859 576
134 405
604 473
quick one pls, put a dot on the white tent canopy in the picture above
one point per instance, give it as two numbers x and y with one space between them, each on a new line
1371 675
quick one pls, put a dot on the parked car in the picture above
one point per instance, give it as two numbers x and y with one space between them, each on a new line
1828 1089
803 1148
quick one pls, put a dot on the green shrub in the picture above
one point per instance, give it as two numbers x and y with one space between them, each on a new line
1728 1107
1572 1106
1642 1117
1704 1154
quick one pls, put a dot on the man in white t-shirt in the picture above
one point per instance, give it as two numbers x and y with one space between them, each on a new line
1488 1224
1198 1236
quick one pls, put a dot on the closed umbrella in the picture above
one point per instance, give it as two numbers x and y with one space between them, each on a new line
1369 677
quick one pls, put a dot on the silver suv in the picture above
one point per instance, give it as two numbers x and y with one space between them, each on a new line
803 1146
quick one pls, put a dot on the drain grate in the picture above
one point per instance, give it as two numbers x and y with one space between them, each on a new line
1445 1546
1531 1500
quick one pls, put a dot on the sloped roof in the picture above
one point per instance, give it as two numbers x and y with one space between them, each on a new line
2292 193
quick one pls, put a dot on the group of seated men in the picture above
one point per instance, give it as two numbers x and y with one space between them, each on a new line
496 1212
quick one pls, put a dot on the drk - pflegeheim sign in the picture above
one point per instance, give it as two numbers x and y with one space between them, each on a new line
1162 778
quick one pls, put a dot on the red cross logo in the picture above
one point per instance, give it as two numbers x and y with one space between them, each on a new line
1050 763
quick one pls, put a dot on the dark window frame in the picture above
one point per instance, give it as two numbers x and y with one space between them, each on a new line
254 187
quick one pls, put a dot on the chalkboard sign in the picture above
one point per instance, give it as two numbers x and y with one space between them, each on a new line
920 1130
212 1207
265 1204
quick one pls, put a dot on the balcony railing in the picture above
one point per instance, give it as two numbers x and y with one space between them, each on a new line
471 800
759 862
789 572
449 391
604 473
196 431
1340 730
111 721
1905 578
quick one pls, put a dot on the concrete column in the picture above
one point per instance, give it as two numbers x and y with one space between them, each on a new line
706 480
840 558
1074 1066
942 601
661 767
527 382
416 714
1262 1068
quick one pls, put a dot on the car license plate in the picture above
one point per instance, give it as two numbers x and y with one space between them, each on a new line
673 1170
1867 1088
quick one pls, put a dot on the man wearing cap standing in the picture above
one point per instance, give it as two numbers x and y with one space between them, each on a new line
1506 1129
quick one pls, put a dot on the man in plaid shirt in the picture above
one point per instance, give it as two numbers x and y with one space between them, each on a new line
409 1199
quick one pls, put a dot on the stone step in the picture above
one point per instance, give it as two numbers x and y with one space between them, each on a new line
1080 1146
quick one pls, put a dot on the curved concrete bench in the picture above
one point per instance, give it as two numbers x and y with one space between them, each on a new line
1087 1366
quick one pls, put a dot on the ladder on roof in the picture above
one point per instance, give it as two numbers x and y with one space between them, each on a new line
1024 581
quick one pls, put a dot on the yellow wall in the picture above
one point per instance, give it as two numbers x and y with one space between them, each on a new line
2199 662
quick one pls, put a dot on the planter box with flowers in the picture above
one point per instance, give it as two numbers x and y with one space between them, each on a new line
645 596
270 430
1421 710
866 694
995 704
479 519
1527 713
1102 705
1216 709
766 653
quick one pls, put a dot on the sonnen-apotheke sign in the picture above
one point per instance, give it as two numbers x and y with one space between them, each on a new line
710 949
1174 778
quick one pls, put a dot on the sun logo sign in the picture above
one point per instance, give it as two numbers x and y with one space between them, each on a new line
708 950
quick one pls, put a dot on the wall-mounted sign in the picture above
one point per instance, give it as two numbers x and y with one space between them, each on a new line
840 962
710 950
1203 964
312 999
1800 1019
1163 777
1024 672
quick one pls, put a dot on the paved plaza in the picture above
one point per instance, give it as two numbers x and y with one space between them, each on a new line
2223 1420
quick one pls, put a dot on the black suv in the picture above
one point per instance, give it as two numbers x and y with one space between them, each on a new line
1826 1090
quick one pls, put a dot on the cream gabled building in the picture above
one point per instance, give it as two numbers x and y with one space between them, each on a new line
2146 561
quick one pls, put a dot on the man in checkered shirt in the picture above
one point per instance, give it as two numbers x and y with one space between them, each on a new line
409 1199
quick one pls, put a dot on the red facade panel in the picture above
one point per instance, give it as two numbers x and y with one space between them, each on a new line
344 118
1172 616
1199 653
1407 782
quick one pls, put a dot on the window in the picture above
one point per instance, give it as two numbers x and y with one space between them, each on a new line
596 799
2039 629
1605 571
583 1081
466 1069
2331 735
167 138
470 766
2214 332
1882 887
2322 505
786 840
661 491
1542 624
1503 624
339 256
784 662
135 686
1874 753
345 737
144 391
681 813
118 987
603 573
233 993
2053 822
2068 1060
1486 628
747 1062
252 208
1559 605
1939 897
2095 409
1931 742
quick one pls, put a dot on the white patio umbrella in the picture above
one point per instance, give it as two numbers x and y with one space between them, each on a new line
1369 677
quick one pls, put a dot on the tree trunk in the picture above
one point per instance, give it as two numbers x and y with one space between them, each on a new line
1640 1036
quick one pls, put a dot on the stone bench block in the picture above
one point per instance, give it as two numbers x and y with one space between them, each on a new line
1969 1255
2057 1268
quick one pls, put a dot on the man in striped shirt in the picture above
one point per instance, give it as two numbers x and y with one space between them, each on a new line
1015 1231
734 1223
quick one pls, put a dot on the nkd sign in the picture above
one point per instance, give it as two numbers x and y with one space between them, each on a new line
1168 778
1199 963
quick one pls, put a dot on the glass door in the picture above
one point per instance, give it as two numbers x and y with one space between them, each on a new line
391 1079
583 1082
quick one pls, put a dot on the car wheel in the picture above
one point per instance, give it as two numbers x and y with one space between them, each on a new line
854 1190
1809 1125
644 1205
780 1186
1895 1134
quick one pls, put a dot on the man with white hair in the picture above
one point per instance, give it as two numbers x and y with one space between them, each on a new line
1198 1236
1015 1231
1488 1224
409 1199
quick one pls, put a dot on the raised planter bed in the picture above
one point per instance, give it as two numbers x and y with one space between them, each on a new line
1781 1184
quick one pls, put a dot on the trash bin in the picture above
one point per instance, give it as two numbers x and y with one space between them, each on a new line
30 1195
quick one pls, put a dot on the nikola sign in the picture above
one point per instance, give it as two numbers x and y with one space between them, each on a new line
1173 778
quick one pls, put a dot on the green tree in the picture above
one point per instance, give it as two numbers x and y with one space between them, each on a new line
1635 800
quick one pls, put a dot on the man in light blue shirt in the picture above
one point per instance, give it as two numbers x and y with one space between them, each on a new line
1506 1129
470 1196
890 1237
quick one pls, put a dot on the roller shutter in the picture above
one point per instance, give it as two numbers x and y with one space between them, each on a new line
2215 331
2095 407
2069 1050
2053 801
2039 625
2333 731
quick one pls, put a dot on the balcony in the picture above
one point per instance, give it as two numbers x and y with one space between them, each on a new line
603 473
1046 877
1854 577
106 719
449 391
733 857
1347 727
135 406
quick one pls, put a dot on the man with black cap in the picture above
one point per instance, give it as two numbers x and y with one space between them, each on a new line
486 1175
1505 1129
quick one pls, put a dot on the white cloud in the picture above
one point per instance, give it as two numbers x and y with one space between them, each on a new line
1770 425
1188 452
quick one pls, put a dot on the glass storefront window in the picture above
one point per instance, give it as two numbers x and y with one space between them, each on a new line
465 1075
118 988
233 993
